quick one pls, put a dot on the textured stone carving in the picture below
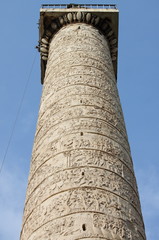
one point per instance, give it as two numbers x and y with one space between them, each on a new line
73 17
81 183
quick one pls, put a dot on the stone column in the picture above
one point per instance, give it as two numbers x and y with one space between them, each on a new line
81 183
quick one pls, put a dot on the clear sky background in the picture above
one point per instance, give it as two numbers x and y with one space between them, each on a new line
138 85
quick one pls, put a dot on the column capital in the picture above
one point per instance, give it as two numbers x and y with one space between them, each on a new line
52 19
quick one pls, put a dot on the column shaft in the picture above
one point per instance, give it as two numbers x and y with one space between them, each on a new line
81 183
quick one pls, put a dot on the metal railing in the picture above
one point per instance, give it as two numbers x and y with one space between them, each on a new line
73 5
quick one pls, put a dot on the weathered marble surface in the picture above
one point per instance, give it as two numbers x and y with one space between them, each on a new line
50 24
81 183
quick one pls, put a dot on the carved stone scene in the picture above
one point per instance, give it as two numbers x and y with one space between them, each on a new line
81 183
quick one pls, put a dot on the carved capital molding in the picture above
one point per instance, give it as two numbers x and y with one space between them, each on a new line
52 26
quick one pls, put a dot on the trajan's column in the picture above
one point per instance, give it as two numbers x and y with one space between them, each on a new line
81 183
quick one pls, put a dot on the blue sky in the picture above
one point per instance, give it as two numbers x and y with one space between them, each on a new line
138 88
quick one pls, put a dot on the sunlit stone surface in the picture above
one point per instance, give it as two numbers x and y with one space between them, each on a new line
81 183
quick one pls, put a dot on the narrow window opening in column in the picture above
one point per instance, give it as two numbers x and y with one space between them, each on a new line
84 227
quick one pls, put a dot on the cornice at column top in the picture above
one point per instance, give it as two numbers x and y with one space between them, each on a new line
51 15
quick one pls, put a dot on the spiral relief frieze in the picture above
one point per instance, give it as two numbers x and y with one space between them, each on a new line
81 183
